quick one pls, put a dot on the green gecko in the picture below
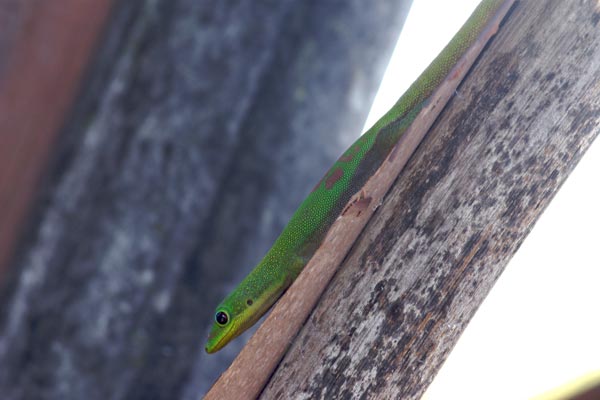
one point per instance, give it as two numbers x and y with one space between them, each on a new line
308 226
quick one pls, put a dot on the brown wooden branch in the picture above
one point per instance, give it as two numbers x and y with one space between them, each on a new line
457 213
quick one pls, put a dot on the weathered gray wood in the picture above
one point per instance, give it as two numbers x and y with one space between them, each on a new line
456 215
174 176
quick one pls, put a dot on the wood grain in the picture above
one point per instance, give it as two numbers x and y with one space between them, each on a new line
250 371
457 213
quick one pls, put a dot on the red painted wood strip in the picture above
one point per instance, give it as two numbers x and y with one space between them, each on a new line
44 50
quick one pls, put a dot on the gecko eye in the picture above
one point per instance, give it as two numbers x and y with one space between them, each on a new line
221 318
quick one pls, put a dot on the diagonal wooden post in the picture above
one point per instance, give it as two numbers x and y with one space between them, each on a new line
457 213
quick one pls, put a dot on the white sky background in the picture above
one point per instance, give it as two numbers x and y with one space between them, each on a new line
540 325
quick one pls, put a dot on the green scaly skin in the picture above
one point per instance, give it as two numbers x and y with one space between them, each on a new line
310 223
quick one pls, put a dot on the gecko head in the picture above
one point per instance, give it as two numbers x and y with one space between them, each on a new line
243 308
238 312
223 329
230 320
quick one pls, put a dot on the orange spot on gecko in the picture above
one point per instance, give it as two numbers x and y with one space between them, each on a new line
317 185
347 157
335 176
350 154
